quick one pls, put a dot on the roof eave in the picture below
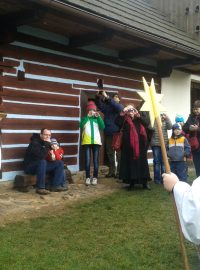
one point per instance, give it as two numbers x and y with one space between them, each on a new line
118 26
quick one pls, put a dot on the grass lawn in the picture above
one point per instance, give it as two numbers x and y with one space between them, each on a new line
126 230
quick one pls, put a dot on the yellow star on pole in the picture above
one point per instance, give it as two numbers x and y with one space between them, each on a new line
152 104
152 101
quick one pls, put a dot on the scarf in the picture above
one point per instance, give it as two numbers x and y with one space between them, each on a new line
134 139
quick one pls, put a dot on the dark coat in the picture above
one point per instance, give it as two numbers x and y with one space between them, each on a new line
111 110
192 120
133 171
37 150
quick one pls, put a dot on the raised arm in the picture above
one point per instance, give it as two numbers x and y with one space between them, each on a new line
83 121
100 122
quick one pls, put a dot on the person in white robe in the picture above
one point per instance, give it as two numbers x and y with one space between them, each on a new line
187 200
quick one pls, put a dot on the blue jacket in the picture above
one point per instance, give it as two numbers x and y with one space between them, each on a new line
111 110
178 148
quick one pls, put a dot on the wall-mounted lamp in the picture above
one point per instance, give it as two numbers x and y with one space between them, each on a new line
2 115
197 9
197 29
187 11
21 71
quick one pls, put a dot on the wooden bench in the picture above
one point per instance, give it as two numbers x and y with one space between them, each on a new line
25 182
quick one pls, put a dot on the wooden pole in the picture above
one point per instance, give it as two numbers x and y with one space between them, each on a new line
153 106
167 169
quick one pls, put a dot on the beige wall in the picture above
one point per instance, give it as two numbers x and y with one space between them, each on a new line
176 90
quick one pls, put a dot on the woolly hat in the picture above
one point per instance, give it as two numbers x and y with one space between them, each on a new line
179 118
196 104
54 141
177 126
91 106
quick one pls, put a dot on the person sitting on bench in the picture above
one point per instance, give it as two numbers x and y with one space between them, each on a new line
35 163
56 153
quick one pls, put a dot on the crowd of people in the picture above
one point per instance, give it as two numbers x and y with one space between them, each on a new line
44 156
130 164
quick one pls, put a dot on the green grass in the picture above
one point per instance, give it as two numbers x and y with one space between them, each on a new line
126 230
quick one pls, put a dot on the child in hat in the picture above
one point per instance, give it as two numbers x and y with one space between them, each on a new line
179 119
56 152
91 140
178 150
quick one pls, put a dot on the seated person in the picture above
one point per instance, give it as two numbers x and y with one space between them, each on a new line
56 153
35 162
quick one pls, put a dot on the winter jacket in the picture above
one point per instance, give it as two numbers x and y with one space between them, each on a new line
192 120
166 125
91 130
111 109
178 148
57 154
37 150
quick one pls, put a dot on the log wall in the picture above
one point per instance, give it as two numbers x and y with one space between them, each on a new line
50 97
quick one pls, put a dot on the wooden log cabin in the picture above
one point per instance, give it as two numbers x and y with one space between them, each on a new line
53 52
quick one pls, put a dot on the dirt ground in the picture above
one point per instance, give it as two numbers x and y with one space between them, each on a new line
18 206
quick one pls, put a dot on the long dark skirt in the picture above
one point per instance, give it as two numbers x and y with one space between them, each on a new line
133 171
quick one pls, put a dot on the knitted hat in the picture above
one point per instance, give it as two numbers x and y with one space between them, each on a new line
54 141
179 118
177 126
196 104
91 106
